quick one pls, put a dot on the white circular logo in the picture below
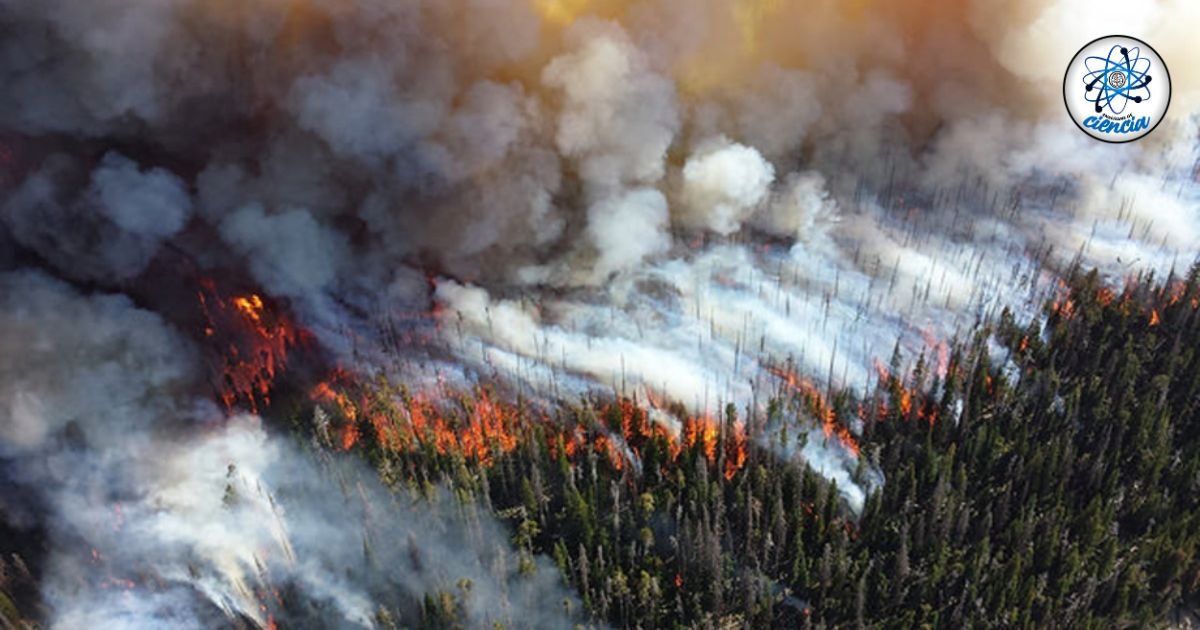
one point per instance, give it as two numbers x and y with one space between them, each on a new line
1117 88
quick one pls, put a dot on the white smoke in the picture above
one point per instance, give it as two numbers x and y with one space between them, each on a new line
723 184
185 515
801 210
618 117
626 230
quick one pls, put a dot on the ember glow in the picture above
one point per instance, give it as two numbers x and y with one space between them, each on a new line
250 345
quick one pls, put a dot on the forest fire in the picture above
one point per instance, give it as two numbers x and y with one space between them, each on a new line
819 407
251 344
256 341
604 445
478 427
941 352
346 314
1064 308
250 305
907 399
702 431
1063 305
1157 303
905 402
324 392
737 458
482 431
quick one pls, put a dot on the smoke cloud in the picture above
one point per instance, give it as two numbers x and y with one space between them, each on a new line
722 185
186 516
107 226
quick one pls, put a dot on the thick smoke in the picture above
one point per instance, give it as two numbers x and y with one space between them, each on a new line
162 513
723 184
666 197
288 251
106 226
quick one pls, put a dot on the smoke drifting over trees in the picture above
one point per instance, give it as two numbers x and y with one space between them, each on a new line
665 199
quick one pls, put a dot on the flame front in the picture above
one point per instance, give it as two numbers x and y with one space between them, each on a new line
476 426
819 408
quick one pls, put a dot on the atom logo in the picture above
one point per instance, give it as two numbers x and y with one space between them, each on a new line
1115 80
1115 104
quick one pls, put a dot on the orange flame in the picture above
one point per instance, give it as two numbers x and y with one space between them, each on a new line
1064 308
252 344
1175 292
907 398
702 431
481 428
905 402
324 392
349 436
490 427
605 446
941 352
735 458
250 305
819 407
